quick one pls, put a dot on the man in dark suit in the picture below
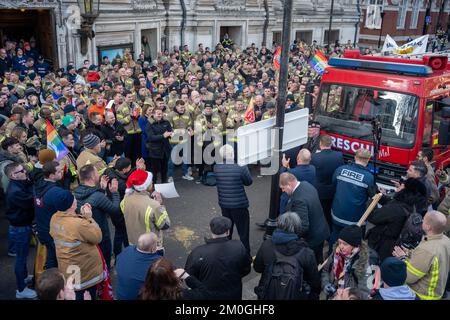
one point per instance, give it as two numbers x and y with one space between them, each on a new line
326 162
304 200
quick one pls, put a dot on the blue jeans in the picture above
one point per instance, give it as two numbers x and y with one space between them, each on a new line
11 244
175 152
21 237
79 295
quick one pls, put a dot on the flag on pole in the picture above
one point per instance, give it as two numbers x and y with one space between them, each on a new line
276 58
389 44
417 46
249 116
55 143
319 62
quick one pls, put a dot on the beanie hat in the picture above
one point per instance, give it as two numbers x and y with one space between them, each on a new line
46 155
352 235
393 272
69 108
68 120
63 199
139 180
220 225
90 141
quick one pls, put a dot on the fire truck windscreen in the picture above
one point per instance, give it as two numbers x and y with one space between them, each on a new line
344 110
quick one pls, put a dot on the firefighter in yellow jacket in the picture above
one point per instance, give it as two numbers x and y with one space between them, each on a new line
428 264
127 115
89 155
143 211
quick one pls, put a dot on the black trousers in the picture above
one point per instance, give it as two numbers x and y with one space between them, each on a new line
159 166
241 218
318 252
133 147
326 206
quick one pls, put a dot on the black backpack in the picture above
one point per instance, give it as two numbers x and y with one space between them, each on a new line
412 232
283 279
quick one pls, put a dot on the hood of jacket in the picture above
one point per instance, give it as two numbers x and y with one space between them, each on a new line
41 186
83 192
287 243
7 156
397 293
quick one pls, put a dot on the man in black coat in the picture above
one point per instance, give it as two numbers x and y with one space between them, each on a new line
115 135
304 200
158 134
285 241
231 179
20 213
221 263
326 162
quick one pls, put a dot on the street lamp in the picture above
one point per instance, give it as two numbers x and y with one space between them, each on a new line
381 29
279 122
89 10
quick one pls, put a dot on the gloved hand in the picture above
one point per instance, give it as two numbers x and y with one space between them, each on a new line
329 290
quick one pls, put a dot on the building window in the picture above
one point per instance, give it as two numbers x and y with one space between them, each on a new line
401 17
415 14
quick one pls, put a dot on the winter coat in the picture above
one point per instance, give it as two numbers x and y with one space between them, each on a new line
88 156
142 124
326 162
220 265
305 202
116 147
395 293
19 203
5 159
102 206
158 146
44 207
288 244
389 221
358 274
76 240
302 173
112 173
231 179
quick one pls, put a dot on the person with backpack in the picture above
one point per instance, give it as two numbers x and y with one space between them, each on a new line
390 220
428 264
46 196
231 181
221 263
348 265
288 265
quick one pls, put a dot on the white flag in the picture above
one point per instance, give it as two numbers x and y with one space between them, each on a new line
389 44
417 46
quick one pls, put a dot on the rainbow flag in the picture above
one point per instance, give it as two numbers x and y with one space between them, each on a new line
319 62
55 143
276 58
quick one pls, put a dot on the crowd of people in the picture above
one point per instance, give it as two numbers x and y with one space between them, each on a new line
123 122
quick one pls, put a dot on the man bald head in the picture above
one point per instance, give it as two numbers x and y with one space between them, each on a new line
434 222
303 157
147 242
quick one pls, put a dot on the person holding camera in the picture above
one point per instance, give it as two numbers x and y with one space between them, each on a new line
76 238
348 265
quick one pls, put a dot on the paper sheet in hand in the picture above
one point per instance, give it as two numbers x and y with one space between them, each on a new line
167 190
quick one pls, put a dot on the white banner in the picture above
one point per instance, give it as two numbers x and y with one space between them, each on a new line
417 46
373 17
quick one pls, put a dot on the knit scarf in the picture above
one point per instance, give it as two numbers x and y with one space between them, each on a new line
343 264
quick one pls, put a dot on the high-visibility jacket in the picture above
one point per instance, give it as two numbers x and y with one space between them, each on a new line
128 116
88 156
143 214
180 123
428 267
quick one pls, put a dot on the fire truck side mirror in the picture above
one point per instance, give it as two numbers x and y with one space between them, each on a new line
444 127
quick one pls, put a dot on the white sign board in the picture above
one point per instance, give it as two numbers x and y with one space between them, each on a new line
256 141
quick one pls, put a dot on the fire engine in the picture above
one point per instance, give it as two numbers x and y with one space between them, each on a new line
410 98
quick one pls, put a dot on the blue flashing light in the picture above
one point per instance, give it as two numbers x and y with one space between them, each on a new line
406 68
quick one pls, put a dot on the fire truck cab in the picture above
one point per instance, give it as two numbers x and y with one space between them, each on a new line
410 98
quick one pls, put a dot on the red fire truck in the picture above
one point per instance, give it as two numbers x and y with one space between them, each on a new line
409 97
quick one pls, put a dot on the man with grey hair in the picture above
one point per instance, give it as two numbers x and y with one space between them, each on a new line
231 179
133 263
286 245
428 264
